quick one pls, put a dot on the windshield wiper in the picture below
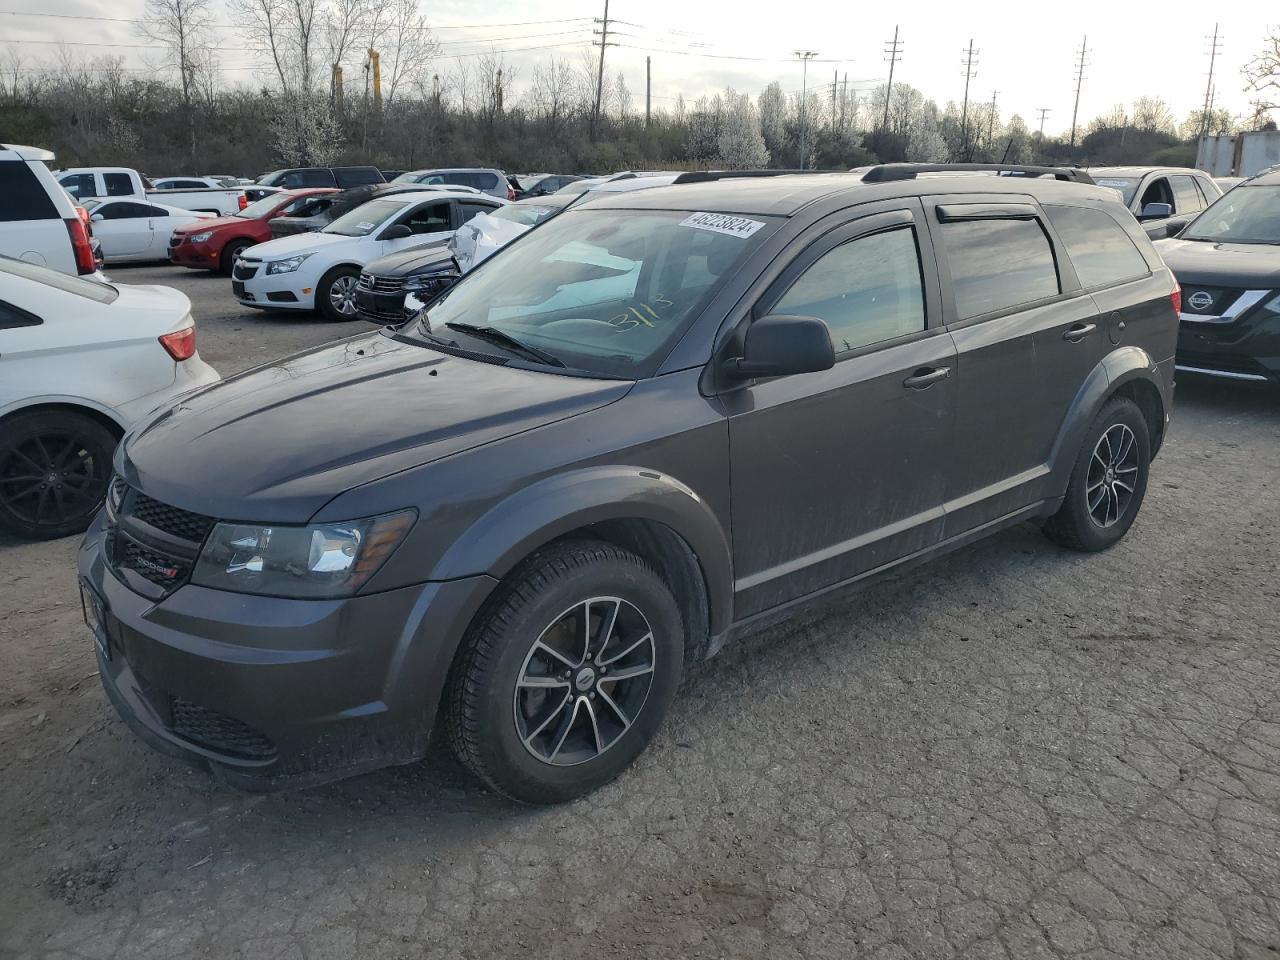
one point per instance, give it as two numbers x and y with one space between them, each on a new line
494 335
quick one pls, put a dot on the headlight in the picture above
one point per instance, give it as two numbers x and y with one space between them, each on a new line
421 282
321 560
201 237
287 265
1272 305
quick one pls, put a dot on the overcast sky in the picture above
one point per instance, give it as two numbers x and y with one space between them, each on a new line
1026 52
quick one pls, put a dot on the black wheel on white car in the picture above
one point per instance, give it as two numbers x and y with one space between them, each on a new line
54 469
231 252
336 294
1108 481
567 674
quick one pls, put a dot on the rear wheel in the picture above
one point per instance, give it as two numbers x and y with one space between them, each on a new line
1108 481
54 470
231 251
567 674
336 294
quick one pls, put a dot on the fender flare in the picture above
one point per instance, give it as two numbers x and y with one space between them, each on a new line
557 505
61 400
1122 365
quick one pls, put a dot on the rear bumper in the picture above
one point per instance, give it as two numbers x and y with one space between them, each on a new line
266 693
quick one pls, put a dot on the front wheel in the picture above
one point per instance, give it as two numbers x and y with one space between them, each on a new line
336 294
1108 481
231 252
54 470
567 674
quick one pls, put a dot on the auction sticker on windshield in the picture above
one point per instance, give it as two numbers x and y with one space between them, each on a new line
722 223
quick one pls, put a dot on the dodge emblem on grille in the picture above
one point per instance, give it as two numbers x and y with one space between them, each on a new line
160 568
1200 300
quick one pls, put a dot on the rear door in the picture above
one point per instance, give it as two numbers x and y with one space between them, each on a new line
125 228
1026 338
838 472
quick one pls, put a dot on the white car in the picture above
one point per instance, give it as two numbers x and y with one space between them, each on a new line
39 223
319 271
80 361
193 183
133 230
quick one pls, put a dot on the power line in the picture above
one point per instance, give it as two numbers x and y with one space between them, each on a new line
970 54
1215 44
805 56
1080 65
233 26
894 54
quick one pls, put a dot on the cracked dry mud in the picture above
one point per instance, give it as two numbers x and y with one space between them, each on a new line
1015 752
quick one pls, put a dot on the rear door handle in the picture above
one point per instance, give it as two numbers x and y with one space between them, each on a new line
926 377
1079 331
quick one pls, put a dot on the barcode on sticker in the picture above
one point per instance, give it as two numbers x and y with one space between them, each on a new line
722 223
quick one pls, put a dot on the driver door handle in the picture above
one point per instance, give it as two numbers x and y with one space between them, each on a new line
926 377
1079 331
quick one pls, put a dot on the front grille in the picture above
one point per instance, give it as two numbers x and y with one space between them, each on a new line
171 520
213 730
244 271
160 569
380 284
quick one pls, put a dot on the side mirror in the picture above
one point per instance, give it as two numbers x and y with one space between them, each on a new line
97 217
399 231
1154 211
780 345
1174 227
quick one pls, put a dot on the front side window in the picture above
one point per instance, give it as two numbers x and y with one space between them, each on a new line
118 184
1100 250
1186 199
123 211
867 290
606 291
79 185
998 264
429 219
365 219
1248 214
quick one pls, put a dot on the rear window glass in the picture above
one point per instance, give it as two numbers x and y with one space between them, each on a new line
89 289
998 264
1100 250
24 196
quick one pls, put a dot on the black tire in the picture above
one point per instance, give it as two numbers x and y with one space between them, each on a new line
494 723
230 252
1097 511
325 291
54 471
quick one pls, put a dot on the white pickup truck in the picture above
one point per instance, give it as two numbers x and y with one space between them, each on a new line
84 183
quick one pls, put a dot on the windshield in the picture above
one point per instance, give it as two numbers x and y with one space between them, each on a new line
1125 186
528 215
1248 214
366 218
260 208
605 291
89 289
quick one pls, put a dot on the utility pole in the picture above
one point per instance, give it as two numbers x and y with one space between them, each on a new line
603 33
844 99
1080 65
1215 43
835 83
1043 111
498 91
375 65
991 120
337 88
805 56
969 54
648 91
893 54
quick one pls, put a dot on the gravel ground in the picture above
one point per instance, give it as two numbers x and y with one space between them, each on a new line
1014 752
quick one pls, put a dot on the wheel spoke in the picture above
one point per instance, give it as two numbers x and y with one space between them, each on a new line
629 673
1102 495
569 664
25 492
542 683
1126 444
645 639
19 478
44 452
22 456
44 497
595 726
626 721
1094 487
61 458
1124 486
563 733
551 715
606 627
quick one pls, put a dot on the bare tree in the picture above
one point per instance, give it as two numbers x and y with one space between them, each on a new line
1262 73
344 21
183 30
1152 115
552 93
284 33
493 76
408 46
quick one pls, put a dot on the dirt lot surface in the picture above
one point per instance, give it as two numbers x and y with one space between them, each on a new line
1014 752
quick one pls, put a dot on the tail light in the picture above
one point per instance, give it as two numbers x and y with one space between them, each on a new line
244 201
511 192
78 230
1176 297
181 344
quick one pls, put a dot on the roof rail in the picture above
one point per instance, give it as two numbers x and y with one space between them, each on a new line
708 176
887 172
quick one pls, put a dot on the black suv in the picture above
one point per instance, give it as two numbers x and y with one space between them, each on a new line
342 177
621 440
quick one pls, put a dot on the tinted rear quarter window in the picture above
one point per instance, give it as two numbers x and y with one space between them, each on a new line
24 196
998 264
1100 250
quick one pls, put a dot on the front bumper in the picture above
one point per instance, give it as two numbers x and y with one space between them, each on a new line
1233 348
380 308
266 693
253 287
201 256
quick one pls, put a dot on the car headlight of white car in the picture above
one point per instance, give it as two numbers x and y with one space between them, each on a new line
287 265
201 237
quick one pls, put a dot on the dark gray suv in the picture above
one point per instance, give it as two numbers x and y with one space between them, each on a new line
649 422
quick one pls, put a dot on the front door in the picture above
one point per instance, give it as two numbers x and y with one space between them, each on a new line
124 230
839 472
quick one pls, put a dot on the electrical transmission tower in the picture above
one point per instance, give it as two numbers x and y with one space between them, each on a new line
1215 43
970 71
893 53
1081 63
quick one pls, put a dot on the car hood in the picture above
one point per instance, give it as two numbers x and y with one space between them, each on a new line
211 224
278 442
1252 265
283 247
403 263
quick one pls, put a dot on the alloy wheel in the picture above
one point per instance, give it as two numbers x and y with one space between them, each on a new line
342 295
1113 475
48 480
584 681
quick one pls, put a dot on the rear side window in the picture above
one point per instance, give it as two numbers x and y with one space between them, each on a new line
24 196
998 264
431 219
118 184
1100 250
867 290
124 211
1186 198
469 210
